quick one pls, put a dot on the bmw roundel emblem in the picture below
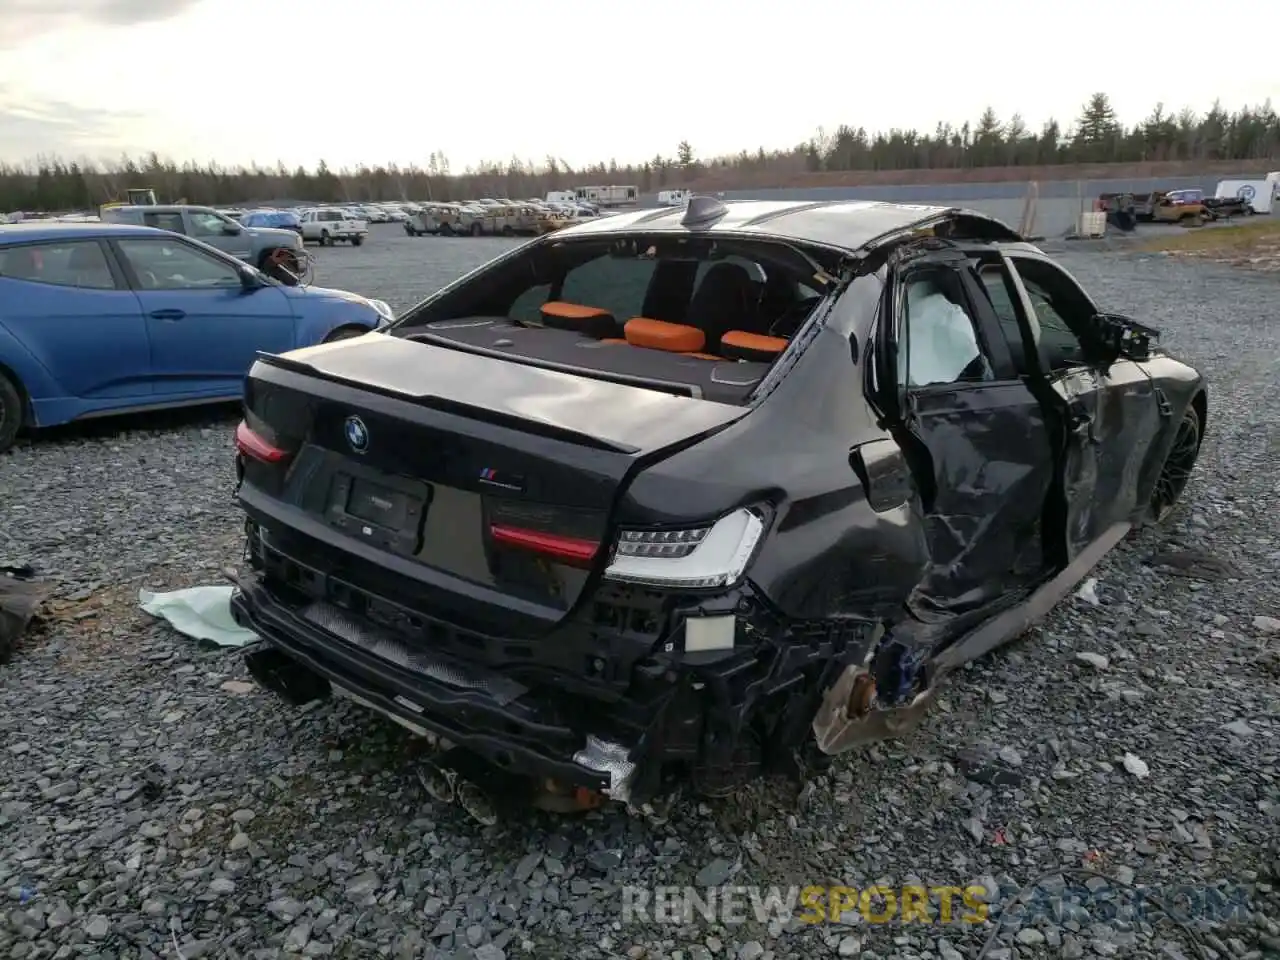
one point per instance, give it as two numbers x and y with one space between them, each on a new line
357 434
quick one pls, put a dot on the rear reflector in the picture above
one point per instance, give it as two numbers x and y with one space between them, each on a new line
570 550
702 634
252 445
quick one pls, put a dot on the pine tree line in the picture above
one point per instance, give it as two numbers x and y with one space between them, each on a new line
1251 134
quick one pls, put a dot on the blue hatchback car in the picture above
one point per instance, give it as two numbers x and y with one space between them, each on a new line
98 319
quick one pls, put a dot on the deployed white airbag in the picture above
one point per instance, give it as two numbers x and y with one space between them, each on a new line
940 338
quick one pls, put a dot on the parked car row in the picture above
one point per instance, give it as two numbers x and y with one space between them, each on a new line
1192 206
368 212
349 223
489 217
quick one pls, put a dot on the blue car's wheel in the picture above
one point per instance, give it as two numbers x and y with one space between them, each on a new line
10 412
345 333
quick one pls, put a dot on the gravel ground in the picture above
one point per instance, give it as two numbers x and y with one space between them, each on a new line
153 804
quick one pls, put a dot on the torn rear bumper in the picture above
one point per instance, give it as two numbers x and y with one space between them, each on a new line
482 712
640 713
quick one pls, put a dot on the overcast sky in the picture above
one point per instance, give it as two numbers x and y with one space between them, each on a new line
369 81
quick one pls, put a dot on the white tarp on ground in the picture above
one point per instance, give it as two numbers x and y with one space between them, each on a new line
202 613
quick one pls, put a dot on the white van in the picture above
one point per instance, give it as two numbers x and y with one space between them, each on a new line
1262 195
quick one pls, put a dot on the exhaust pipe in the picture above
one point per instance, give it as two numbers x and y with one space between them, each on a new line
286 677
440 783
484 791
476 801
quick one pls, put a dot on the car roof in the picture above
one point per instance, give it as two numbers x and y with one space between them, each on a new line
13 233
848 225
160 207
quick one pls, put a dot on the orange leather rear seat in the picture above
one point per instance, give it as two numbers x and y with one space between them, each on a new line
661 335
593 321
740 345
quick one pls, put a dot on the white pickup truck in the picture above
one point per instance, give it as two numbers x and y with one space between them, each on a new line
328 225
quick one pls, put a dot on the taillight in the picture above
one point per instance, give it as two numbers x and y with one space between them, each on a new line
572 551
252 444
697 558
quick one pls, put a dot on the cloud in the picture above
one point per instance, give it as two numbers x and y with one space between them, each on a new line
51 127
24 20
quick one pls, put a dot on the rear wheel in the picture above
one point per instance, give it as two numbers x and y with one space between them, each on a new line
11 407
476 230
1178 464
325 239
356 241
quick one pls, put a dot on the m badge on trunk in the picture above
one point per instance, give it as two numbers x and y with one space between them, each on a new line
507 481
357 434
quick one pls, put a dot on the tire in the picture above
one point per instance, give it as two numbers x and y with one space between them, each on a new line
477 230
344 333
1177 467
11 407
446 230
325 239
507 231
356 241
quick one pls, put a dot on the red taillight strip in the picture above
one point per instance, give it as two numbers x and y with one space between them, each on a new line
571 550
252 445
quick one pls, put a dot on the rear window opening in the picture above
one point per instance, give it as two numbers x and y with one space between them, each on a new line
695 316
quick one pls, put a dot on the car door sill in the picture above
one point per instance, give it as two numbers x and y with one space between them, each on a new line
1009 624
183 400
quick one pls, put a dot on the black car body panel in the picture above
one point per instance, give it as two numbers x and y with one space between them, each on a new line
625 418
667 585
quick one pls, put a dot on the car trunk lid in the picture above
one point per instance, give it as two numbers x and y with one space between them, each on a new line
486 485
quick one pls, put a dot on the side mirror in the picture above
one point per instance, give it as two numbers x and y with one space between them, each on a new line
1115 336
232 230
249 280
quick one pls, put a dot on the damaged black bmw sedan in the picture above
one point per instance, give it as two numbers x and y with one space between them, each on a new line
685 496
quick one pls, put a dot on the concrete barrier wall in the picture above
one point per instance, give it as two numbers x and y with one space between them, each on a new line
1056 213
